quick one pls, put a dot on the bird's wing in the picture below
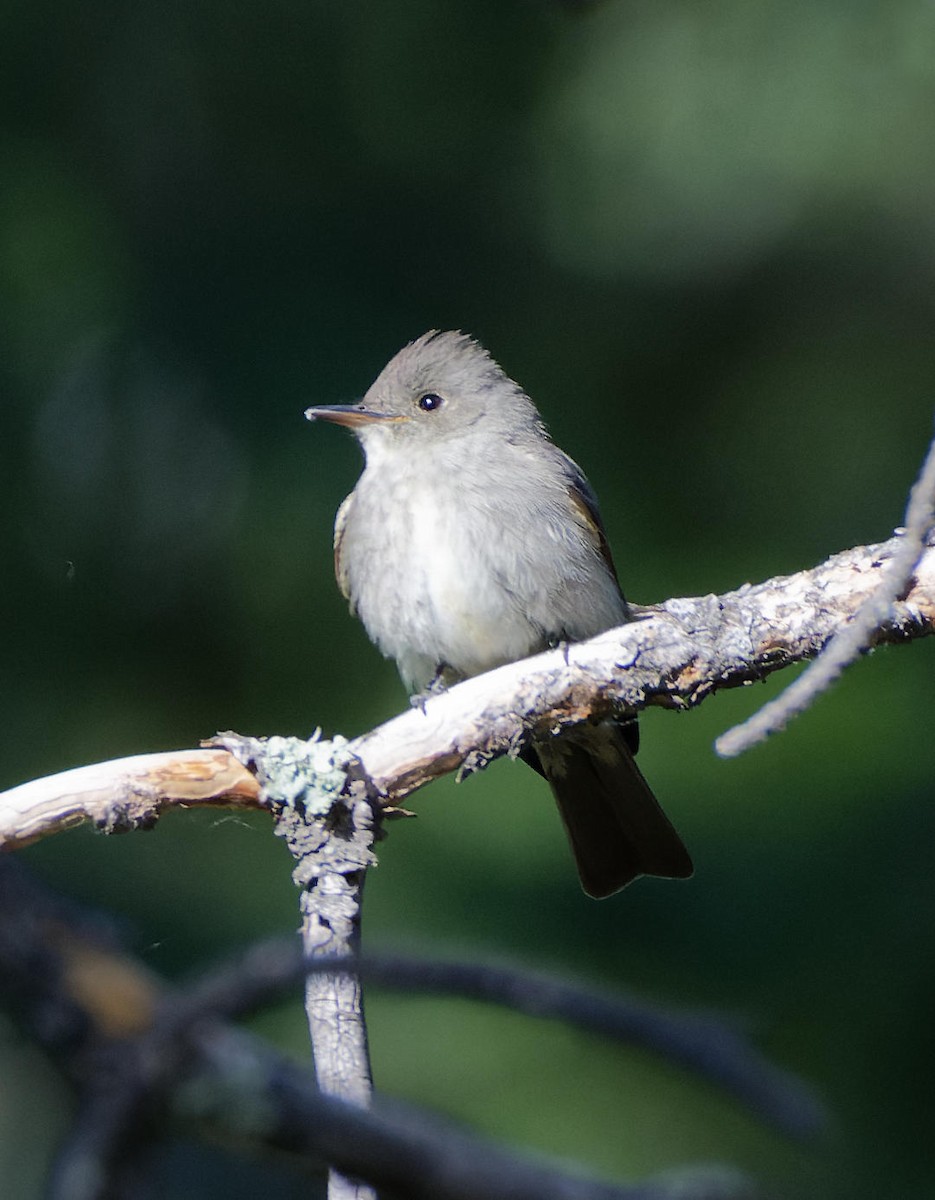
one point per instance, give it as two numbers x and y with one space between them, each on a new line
584 504
340 570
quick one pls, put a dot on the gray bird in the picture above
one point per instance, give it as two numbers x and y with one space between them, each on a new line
471 540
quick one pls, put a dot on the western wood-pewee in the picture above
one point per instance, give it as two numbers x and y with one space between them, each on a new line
470 541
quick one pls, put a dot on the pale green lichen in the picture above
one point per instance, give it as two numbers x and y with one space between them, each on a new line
294 772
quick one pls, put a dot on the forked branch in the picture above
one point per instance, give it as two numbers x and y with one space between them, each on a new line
675 655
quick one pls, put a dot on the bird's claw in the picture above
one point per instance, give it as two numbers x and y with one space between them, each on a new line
436 685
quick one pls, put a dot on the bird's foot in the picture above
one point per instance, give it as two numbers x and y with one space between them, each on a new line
560 643
435 686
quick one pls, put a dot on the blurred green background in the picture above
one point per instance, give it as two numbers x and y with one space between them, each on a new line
702 235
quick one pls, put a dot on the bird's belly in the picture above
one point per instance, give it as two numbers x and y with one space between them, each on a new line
475 619
438 601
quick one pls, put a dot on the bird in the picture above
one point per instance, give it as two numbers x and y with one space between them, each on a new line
472 540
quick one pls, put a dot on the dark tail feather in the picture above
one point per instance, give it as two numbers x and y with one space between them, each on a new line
614 823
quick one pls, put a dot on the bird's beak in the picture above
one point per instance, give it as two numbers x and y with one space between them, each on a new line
351 415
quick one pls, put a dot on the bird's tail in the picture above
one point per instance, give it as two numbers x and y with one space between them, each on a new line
614 823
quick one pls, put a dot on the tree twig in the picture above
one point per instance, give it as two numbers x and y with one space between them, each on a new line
853 638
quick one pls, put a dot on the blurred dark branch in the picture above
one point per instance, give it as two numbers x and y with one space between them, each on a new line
704 1044
674 655
140 1054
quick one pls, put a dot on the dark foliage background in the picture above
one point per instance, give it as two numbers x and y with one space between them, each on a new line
702 236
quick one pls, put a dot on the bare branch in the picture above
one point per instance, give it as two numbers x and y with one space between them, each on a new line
675 655
854 638
125 793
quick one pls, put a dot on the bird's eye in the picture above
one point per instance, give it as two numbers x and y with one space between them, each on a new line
430 401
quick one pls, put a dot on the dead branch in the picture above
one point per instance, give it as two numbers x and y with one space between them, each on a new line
675 655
